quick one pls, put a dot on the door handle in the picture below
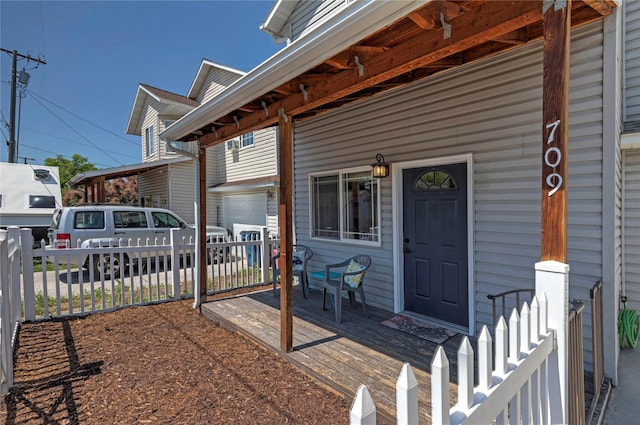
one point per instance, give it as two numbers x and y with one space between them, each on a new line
159 231
119 233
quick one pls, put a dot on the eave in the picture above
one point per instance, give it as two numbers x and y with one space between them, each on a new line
367 48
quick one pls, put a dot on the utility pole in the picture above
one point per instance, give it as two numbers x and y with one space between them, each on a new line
12 119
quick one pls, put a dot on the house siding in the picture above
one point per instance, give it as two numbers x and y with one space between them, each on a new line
259 160
151 108
492 109
217 80
310 14
154 183
632 61
182 194
632 228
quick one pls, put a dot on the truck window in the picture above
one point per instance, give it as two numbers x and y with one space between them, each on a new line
130 219
88 220
162 219
42 201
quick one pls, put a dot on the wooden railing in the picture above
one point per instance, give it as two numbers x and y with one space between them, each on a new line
576 366
517 389
597 347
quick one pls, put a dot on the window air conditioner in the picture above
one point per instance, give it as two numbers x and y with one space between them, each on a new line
233 145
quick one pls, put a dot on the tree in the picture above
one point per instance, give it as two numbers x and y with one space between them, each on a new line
122 190
69 167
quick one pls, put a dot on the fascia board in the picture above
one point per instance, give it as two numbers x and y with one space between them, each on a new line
356 21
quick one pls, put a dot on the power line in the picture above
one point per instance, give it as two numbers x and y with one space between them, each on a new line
75 131
64 156
81 118
78 142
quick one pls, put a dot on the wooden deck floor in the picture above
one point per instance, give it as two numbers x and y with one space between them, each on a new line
340 355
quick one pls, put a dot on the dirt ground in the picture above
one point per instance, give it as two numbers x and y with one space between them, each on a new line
158 364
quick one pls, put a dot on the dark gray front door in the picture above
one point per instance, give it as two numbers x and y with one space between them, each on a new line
435 242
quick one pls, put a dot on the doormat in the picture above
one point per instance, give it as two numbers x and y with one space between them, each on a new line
419 328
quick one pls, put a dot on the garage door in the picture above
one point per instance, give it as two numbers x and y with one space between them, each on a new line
245 209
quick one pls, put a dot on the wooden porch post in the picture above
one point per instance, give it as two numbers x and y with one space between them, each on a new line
101 190
555 115
202 220
285 128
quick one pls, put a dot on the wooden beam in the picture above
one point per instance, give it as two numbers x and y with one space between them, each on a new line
286 232
424 19
555 129
202 221
603 7
488 21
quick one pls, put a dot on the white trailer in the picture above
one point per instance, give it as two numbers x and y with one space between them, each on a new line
28 196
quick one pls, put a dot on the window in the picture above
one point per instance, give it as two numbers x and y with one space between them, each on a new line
148 140
246 140
434 179
161 219
42 201
345 206
130 219
88 220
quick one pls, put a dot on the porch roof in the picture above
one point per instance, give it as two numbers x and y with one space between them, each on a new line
89 177
367 48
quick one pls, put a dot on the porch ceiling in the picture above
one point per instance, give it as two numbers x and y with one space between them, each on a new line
438 36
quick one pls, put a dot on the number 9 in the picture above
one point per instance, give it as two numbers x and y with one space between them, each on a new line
555 187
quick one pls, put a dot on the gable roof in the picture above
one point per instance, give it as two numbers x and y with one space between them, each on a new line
278 17
181 104
201 76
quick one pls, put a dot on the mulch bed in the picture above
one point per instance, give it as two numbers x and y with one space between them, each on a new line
157 364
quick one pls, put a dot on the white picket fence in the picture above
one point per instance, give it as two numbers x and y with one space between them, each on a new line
150 273
10 311
515 386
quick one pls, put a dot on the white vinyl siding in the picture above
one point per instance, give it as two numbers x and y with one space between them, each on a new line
631 229
493 110
310 14
217 80
153 184
150 119
632 60
243 164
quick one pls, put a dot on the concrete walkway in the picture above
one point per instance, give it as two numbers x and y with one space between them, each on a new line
624 402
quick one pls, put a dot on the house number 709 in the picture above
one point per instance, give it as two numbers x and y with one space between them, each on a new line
554 180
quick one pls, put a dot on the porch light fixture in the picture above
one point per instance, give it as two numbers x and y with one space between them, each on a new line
380 169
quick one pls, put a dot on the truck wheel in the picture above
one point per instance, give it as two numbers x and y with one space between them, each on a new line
109 266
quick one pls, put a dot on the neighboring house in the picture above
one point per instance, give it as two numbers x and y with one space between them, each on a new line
464 139
242 175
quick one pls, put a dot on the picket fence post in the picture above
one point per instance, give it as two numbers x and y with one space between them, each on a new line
363 409
14 270
440 388
552 278
407 397
28 290
266 255
175 263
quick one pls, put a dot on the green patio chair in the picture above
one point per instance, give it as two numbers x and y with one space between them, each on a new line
301 256
351 280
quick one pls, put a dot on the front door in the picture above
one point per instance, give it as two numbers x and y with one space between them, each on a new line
435 242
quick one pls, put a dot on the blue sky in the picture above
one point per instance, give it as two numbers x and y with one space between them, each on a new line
97 53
